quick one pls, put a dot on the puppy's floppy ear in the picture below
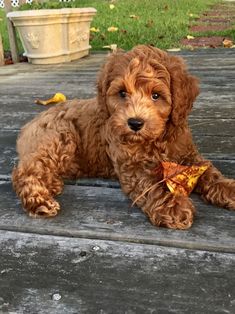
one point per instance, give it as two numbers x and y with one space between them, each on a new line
109 71
184 89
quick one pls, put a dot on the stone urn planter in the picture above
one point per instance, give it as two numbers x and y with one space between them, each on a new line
54 35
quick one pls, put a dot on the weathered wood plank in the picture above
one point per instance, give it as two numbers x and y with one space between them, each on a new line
94 276
106 213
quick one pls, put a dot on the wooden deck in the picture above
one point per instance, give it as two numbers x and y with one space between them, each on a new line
100 255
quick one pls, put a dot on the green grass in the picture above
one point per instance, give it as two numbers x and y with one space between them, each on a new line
160 23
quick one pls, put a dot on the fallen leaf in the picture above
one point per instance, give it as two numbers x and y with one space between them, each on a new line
227 43
94 30
112 47
193 15
173 49
111 6
102 36
190 37
58 97
149 23
112 29
134 17
182 179
124 31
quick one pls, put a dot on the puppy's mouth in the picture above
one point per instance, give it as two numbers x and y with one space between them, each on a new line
132 137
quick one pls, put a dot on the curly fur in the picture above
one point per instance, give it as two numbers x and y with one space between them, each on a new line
90 138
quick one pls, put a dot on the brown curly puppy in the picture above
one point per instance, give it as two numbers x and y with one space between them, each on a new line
138 119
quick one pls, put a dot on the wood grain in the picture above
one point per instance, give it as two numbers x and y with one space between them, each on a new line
106 213
94 276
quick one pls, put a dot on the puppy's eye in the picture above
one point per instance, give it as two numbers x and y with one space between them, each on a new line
154 96
122 93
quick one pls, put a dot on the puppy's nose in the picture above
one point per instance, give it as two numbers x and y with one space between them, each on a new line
135 124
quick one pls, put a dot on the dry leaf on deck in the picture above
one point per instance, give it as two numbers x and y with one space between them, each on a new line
227 43
58 97
112 47
182 179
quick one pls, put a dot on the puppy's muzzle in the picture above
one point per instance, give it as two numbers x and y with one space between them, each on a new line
135 124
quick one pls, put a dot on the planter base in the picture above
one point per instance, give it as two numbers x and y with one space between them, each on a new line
57 59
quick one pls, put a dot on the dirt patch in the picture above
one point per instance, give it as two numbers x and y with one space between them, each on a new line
213 42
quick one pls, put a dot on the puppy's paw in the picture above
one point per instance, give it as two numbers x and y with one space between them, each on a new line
49 208
178 213
222 193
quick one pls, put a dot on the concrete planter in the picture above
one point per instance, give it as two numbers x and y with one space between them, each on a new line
54 36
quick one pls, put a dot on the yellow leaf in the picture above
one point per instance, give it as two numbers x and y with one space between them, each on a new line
173 49
111 6
112 47
190 37
94 30
133 16
58 97
112 29
182 179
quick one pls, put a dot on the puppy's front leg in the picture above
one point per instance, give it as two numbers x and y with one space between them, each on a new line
217 189
162 207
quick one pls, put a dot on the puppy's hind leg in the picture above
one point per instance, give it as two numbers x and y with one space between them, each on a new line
38 176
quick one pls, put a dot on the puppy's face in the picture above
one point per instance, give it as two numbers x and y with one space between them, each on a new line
139 101
147 94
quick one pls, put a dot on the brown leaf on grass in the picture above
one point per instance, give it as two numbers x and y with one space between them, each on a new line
149 24
124 31
102 36
58 97
182 179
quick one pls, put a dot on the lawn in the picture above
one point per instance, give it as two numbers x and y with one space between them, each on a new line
160 23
